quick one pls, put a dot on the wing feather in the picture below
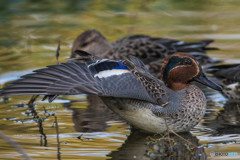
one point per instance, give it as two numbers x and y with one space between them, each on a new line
77 78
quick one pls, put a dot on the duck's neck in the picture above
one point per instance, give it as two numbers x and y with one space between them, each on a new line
177 86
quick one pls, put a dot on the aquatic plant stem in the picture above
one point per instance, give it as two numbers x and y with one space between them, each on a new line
183 139
39 121
58 143
57 52
169 139
169 130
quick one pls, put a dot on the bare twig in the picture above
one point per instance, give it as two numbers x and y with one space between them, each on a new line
57 52
57 131
39 121
183 139
169 130
15 145
169 139
32 100
43 135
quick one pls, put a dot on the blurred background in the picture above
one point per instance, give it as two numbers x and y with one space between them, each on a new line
29 35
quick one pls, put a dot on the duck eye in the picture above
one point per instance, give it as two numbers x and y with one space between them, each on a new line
186 61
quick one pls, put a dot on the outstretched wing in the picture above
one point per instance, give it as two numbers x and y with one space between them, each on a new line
66 78
104 78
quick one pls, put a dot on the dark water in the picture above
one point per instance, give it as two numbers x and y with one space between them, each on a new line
29 33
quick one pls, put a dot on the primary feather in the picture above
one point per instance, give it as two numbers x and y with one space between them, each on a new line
103 77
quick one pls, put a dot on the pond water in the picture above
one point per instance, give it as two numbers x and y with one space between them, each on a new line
30 32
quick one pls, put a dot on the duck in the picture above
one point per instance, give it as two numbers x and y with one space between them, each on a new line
228 76
128 89
151 50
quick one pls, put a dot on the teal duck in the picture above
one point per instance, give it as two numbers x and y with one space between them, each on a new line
228 76
127 88
151 50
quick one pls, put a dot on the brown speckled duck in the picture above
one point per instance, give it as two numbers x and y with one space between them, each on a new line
151 50
228 76
127 88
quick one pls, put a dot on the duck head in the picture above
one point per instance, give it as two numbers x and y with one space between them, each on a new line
91 41
180 69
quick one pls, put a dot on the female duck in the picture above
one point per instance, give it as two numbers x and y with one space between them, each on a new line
128 89
228 76
151 50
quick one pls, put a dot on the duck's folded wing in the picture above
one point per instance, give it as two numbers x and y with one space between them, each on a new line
76 78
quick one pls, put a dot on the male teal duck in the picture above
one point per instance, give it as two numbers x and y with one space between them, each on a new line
151 50
228 76
127 88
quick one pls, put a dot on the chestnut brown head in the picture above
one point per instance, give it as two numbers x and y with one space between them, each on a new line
180 69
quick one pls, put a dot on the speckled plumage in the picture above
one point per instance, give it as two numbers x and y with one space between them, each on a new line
151 50
228 76
182 113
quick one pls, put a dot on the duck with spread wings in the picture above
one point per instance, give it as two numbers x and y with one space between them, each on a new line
127 87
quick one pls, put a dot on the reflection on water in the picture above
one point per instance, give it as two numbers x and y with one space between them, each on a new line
95 135
94 118
87 129
226 121
137 146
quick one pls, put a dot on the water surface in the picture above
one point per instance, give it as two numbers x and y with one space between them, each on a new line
30 32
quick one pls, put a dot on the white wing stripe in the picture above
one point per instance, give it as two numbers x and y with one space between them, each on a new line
108 73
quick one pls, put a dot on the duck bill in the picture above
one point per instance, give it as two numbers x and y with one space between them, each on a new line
202 78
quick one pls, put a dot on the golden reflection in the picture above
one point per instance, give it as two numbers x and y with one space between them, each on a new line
30 32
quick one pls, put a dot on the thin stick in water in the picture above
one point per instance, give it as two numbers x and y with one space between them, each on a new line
15 145
57 52
57 131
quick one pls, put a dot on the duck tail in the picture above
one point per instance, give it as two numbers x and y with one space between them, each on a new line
194 46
